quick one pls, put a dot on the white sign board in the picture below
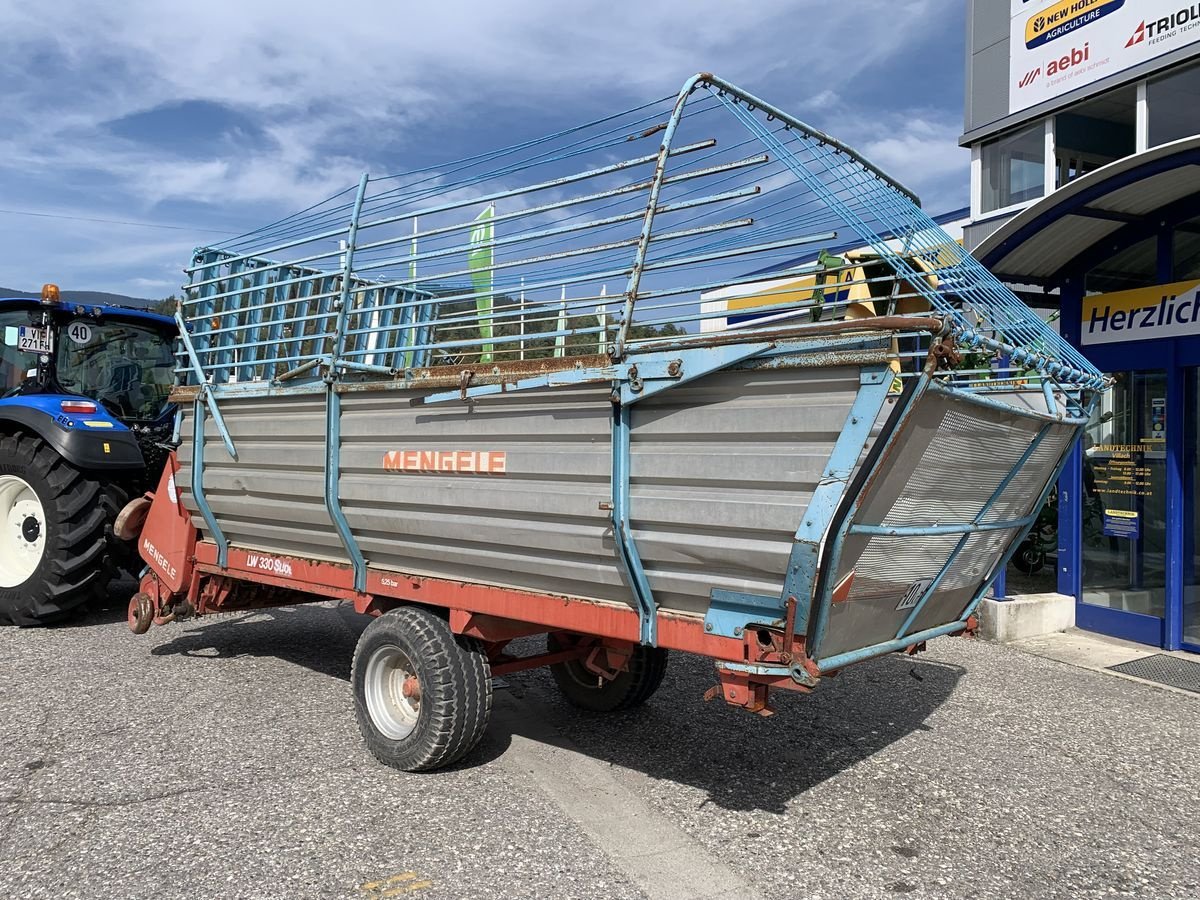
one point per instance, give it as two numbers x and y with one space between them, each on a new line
1057 46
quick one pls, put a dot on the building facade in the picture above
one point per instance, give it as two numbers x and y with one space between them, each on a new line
1083 121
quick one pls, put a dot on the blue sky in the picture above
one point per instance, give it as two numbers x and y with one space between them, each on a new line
208 119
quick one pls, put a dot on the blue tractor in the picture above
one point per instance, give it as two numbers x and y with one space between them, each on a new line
84 417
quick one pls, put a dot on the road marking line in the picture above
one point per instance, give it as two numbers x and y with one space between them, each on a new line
383 887
664 861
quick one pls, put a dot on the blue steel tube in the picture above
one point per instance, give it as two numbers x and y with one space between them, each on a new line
660 169
347 271
206 512
625 545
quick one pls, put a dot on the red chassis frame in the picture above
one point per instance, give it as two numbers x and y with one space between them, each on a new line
185 579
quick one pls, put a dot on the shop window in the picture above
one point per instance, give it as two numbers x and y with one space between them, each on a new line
1134 267
1187 251
1095 133
1014 168
1172 100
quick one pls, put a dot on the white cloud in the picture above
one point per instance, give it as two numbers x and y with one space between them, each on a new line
338 88
922 151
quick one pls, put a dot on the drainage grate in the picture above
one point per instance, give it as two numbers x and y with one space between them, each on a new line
1164 669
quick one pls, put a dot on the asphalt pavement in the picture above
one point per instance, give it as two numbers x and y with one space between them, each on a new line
220 758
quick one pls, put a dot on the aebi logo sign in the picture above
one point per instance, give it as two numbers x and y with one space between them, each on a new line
1070 60
1077 57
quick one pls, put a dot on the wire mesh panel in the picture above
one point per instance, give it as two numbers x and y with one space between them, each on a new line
603 239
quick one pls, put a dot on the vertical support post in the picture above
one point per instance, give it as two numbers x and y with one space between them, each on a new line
206 512
1000 585
206 394
1142 119
333 503
1071 492
803 564
1173 608
1190 387
626 547
1070 524
1050 173
639 261
339 340
1175 447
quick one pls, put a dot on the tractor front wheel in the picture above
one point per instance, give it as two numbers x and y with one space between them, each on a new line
53 550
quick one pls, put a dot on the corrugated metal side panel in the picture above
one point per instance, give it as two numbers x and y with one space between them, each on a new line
272 496
723 469
538 526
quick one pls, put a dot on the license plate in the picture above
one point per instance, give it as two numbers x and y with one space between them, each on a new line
34 340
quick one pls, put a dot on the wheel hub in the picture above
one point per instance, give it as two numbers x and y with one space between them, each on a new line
392 690
22 532
31 529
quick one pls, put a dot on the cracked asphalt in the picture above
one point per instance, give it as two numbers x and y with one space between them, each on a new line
220 758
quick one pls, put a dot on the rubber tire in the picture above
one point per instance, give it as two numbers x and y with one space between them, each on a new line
456 690
633 687
75 568
1029 559
122 555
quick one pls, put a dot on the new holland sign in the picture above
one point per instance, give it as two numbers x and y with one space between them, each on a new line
1168 310
1057 46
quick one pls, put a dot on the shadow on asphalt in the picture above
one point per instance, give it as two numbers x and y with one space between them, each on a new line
738 760
111 609
741 761
299 635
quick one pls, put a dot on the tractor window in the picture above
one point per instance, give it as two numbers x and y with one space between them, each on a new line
128 368
13 363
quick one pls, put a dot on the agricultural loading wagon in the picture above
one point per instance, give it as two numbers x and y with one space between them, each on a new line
419 397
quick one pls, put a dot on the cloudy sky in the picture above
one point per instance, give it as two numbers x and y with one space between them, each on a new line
210 119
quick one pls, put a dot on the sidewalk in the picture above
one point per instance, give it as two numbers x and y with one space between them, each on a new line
1098 652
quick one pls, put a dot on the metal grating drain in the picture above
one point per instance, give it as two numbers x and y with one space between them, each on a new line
1163 669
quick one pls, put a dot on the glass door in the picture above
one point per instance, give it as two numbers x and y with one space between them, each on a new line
1191 512
1123 552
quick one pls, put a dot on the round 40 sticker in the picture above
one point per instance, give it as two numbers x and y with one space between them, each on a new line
79 332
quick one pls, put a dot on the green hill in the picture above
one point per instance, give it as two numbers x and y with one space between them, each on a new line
89 298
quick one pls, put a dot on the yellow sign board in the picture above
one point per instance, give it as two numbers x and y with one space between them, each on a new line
1143 314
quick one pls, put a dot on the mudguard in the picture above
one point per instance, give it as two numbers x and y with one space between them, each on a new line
92 441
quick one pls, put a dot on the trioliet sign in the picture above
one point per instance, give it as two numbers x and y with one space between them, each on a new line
1167 310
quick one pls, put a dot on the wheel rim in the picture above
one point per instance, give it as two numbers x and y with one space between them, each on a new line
393 692
23 541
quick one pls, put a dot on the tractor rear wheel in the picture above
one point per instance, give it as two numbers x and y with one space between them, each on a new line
53 549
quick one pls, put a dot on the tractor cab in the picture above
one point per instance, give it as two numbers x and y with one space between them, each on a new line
121 358
85 418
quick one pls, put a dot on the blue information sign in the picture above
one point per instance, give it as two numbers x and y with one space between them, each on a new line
1122 523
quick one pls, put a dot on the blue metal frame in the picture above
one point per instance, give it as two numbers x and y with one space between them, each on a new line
198 485
875 383
821 605
623 541
1168 354
205 389
333 503
730 612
